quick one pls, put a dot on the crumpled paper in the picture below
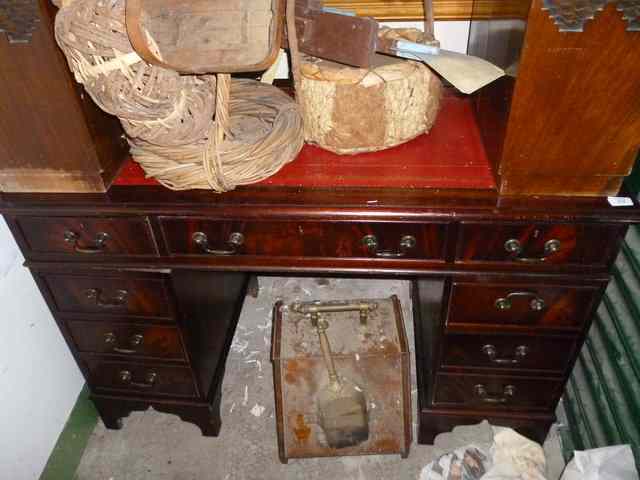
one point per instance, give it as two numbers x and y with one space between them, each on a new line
511 457
608 463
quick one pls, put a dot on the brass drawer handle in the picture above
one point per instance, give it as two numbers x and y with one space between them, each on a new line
507 394
119 299
99 243
235 240
314 309
536 303
126 378
135 340
407 242
514 247
521 351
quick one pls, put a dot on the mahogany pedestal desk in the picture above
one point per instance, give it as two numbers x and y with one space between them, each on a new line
146 284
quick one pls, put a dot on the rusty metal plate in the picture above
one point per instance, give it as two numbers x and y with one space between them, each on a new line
375 357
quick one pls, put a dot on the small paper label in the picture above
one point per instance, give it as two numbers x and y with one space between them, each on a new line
620 201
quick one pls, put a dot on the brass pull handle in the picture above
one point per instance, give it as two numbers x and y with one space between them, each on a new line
521 351
235 240
314 309
135 340
126 378
514 247
507 394
119 299
407 242
99 243
536 303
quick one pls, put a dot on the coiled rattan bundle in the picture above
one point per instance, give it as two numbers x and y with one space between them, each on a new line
169 118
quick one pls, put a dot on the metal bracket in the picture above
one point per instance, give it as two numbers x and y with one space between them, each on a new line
572 15
19 19
631 13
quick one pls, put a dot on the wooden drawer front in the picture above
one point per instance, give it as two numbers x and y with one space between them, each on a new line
542 244
125 339
139 378
110 295
524 304
517 352
496 392
88 237
305 239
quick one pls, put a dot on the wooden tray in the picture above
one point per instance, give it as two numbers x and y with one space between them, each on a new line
205 36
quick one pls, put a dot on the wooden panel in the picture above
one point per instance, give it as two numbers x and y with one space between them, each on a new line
513 352
443 9
77 235
433 421
304 239
110 295
564 307
580 244
201 296
140 378
518 183
586 120
52 137
127 339
528 393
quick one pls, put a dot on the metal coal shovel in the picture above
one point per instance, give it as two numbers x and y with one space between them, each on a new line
342 405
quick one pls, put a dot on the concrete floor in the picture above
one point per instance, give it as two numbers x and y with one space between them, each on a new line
158 446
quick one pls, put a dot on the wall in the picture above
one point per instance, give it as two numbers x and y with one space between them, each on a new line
39 381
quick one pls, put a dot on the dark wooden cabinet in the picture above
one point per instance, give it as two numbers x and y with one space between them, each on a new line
566 118
150 316
53 138
147 284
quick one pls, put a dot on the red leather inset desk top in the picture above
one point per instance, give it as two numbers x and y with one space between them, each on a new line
451 155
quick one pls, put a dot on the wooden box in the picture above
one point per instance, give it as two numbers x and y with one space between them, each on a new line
566 118
53 138
372 355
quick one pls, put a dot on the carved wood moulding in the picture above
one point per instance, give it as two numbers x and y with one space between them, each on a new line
443 9
18 19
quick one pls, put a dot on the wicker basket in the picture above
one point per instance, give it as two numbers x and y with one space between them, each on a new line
187 131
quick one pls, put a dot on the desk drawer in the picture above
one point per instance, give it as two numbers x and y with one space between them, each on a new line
536 305
209 237
110 295
496 392
131 340
514 352
141 378
88 237
529 245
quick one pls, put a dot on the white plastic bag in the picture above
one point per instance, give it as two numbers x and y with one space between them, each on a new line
511 457
608 463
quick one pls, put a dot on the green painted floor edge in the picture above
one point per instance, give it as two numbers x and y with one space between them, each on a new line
66 455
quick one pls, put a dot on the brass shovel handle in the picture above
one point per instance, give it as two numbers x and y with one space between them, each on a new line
325 347
314 309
